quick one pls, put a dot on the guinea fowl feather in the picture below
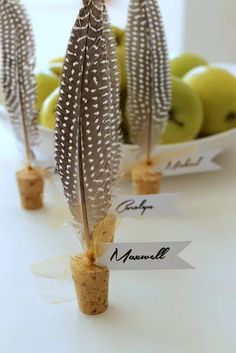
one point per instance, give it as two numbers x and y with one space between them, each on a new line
87 146
148 74
17 76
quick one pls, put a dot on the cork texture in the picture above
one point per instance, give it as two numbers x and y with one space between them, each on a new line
31 184
92 285
146 181
104 232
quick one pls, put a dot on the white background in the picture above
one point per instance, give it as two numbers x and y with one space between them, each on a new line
167 312
150 312
53 20
206 27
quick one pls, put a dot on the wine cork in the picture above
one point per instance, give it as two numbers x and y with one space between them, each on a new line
31 184
92 281
146 181
91 284
104 232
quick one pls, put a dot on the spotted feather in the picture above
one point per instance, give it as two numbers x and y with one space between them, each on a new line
87 144
148 74
17 74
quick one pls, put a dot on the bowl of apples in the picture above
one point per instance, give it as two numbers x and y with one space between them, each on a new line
203 110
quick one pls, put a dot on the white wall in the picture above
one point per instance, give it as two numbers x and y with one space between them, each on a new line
207 27
52 23
53 20
173 12
210 29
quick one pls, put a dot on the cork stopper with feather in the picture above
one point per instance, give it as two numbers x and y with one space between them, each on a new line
19 91
149 87
87 145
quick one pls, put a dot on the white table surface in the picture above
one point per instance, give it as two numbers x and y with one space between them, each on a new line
150 312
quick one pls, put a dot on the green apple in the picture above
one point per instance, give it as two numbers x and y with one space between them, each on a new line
217 89
56 68
124 123
185 62
47 82
186 115
121 62
120 40
58 60
48 113
119 35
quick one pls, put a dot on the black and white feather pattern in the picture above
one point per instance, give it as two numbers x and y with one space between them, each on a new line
87 140
148 72
17 70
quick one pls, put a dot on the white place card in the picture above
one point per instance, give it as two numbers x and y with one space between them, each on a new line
145 205
143 256
189 164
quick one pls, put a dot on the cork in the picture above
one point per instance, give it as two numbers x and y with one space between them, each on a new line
146 181
92 281
30 183
91 284
104 232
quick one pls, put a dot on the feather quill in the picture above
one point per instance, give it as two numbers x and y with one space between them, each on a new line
17 72
148 74
87 142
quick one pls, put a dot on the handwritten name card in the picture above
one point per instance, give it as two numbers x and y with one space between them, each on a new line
143 256
194 163
145 205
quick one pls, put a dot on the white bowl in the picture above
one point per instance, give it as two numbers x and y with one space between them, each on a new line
221 141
